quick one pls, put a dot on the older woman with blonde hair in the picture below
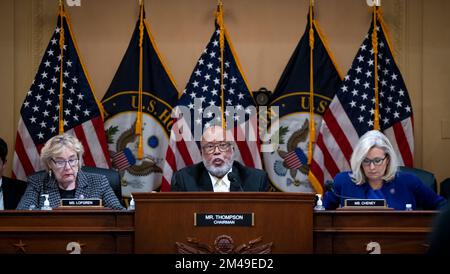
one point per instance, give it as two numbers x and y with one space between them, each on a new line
374 175
62 158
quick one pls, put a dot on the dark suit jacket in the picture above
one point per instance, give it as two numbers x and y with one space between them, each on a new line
196 178
12 192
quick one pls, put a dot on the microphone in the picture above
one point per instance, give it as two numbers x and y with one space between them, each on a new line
235 185
329 187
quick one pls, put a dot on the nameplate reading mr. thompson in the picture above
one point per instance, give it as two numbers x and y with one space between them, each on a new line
224 219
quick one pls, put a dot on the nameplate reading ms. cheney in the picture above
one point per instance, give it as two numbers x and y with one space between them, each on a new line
370 203
224 219
81 202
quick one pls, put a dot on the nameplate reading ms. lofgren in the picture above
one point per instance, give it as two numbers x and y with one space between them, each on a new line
81 202
224 219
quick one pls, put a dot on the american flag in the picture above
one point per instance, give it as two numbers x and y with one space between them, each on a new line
39 115
351 112
202 92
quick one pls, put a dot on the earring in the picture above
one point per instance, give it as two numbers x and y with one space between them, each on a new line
50 173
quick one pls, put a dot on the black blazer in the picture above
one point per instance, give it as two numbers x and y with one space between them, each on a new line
196 178
12 192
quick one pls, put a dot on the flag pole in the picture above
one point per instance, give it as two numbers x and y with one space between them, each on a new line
376 124
312 128
138 129
219 20
61 47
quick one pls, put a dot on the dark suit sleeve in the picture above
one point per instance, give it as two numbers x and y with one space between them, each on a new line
264 182
19 190
176 183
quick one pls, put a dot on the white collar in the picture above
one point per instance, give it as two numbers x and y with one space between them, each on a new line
225 181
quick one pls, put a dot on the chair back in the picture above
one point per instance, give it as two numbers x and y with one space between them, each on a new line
426 177
445 189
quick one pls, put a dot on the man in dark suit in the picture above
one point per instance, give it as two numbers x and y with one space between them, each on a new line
10 190
218 171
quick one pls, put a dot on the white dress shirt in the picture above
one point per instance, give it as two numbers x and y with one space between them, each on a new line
220 184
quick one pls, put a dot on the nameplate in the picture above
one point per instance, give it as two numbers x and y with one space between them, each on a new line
224 219
365 203
81 202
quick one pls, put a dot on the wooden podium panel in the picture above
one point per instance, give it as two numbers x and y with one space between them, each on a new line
95 231
283 219
389 232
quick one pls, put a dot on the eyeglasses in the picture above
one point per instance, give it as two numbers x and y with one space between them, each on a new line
210 148
62 163
376 161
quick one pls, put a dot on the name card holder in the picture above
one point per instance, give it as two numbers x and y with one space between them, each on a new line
365 204
224 219
81 203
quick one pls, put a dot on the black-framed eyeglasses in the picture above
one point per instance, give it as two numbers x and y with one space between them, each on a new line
376 161
210 148
62 163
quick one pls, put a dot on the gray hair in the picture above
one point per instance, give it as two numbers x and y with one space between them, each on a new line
56 144
369 140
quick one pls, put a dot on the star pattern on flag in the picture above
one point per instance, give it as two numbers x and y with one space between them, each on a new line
357 91
204 88
41 104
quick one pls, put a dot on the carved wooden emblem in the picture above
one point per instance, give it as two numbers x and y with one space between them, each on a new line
20 247
75 247
373 248
223 244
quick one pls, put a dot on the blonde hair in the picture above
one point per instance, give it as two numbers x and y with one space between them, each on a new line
56 144
369 140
